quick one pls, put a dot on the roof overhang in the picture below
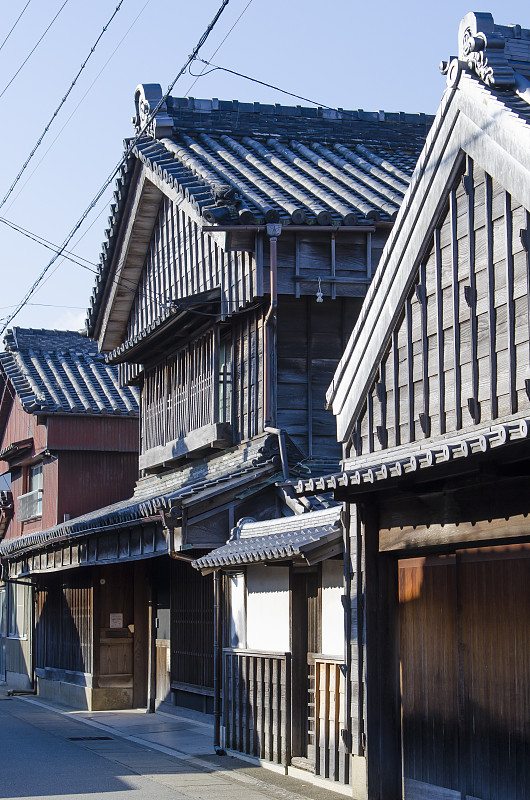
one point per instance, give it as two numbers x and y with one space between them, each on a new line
451 455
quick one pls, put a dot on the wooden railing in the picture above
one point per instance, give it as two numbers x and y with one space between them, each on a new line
180 395
257 704
327 718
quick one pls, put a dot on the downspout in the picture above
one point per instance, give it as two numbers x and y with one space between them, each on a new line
217 663
151 652
273 231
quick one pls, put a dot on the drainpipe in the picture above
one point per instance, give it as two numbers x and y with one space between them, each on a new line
151 652
217 664
273 231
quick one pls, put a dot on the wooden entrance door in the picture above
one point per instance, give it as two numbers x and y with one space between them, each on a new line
465 662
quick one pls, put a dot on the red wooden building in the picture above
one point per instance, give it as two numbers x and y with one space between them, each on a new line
68 443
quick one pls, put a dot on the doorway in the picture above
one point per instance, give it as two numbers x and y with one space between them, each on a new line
465 669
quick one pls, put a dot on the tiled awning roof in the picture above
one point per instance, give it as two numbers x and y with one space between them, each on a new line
378 468
308 536
239 468
63 372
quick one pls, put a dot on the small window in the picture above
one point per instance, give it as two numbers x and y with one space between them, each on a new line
35 485
238 615
16 610
225 379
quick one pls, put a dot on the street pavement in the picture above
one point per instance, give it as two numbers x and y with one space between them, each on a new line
50 751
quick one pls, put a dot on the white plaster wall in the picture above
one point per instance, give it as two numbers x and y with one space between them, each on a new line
238 621
332 609
268 608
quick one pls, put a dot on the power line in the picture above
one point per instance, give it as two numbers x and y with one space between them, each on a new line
14 25
215 67
61 104
46 243
6 87
105 65
218 47
150 118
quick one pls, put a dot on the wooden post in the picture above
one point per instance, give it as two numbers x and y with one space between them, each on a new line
217 665
383 692
151 658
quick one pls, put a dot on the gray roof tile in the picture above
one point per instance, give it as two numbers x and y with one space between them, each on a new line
273 540
253 163
63 372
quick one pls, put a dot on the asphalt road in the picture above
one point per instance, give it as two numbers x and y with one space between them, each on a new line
44 754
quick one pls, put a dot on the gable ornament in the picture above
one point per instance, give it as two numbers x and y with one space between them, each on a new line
481 46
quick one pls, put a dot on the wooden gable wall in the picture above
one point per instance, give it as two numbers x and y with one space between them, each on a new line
310 339
181 262
459 354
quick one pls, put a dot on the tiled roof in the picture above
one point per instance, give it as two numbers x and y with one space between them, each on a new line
275 540
252 463
250 163
63 372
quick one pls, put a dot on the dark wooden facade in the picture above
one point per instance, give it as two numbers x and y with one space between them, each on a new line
230 282
431 399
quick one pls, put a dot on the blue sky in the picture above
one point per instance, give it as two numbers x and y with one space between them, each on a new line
339 53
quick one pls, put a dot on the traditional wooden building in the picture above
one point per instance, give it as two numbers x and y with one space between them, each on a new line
242 240
68 442
432 405
281 644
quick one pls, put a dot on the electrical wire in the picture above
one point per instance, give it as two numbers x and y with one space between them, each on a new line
110 178
61 104
46 243
215 67
218 48
80 103
6 87
14 25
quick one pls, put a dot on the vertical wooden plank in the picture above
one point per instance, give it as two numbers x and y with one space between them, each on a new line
492 313
426 426
316 700
251 720
472 301
297 263
510 303
267 707
453 210
410 371
248 374
395 376
309 378
333 265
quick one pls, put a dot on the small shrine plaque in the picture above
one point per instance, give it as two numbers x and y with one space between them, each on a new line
116 621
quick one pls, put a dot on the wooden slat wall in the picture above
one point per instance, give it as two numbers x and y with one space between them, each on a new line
191 627
178 395
459 354
464 648
311 338
257 704
328 697
64 627
247 375
181 262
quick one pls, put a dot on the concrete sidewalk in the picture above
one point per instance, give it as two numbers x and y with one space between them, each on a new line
189 741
